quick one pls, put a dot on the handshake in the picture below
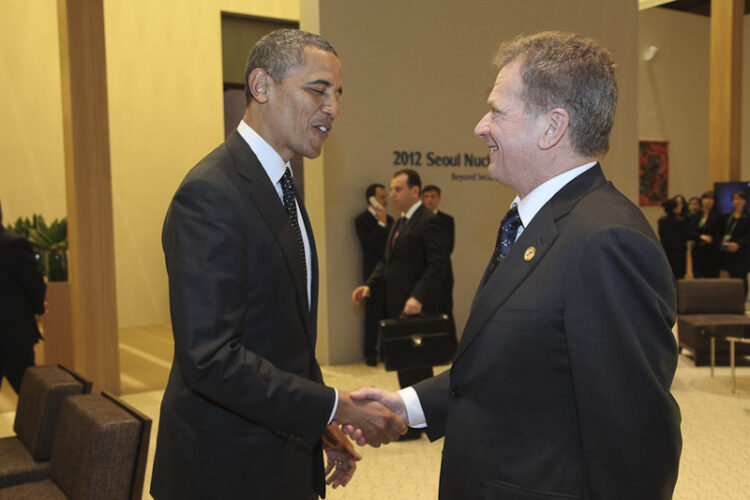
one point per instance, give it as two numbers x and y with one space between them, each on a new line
368 416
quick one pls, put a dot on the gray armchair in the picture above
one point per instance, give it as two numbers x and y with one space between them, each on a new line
709 307
24 457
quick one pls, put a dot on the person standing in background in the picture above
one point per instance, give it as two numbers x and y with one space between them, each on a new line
22 290
674 235
706 231
735 242
431 197
372 227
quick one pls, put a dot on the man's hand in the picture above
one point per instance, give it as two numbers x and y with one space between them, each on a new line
706 238
412 306
360 293
392 400
342 459
376 424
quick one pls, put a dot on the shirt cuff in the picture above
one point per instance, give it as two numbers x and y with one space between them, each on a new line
335 405
414 412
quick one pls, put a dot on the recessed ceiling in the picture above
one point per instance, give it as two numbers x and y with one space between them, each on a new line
700 7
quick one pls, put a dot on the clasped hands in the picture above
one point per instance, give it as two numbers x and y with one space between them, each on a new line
371 416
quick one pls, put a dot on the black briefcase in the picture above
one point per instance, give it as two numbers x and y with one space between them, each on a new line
417 341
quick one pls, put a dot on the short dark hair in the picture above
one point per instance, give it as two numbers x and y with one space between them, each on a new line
412 178
741 194
708 194
432 187
370 191
669 205
281 50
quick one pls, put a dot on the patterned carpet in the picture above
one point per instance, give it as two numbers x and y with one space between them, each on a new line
716 426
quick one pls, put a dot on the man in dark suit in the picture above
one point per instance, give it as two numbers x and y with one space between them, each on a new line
372 228
245 413
431 197
414 268
22 290
560 384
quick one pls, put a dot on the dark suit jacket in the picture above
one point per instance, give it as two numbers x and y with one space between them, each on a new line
560 384
738 262
450 229
706 256
372 237
417 266
244 407
22 291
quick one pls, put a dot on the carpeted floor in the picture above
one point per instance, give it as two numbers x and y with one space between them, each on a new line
716 426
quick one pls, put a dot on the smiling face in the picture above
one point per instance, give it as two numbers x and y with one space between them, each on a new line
302 107
510 134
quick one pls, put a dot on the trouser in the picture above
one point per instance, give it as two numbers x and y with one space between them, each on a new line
13 364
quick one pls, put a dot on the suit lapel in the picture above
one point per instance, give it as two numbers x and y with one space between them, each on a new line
266 199
511 272
515 269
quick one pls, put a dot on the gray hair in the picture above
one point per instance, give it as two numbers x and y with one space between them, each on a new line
572 72
281 50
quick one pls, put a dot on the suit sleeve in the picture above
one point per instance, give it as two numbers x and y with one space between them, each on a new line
618 320
209 295
435 275
433 395
28 274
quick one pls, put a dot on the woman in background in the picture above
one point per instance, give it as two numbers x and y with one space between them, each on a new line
706 231
735 241
673 234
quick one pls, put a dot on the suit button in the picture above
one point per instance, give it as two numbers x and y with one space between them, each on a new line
455 392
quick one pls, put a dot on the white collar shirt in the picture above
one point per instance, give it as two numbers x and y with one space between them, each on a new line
274 166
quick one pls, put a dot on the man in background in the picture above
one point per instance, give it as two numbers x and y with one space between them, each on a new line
414 268
431 197
22 290
560 387
245 413
372 228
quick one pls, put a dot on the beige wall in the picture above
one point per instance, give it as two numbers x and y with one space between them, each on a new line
416 77
166 112
673 96
32 176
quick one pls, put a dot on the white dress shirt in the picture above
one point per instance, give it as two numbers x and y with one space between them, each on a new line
528 207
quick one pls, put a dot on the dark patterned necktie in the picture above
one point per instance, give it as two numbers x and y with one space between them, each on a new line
399 228
287 188
506 236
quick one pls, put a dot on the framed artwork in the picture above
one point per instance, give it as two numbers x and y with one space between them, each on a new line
653 172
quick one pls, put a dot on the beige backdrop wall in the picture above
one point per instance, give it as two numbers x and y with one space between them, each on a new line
166 112
416 78
32 175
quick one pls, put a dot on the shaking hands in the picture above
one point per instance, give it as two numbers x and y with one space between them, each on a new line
371 416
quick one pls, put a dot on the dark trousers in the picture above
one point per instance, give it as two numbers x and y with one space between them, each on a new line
13 364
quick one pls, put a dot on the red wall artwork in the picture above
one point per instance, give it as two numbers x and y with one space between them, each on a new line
653 172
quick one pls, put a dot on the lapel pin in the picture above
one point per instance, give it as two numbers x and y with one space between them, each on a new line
529 254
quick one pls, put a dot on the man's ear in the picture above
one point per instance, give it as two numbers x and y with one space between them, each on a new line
258 82
557 121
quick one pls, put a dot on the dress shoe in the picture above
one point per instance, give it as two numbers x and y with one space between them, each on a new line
371 362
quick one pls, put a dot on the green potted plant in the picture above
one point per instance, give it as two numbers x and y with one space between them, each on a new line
50 244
